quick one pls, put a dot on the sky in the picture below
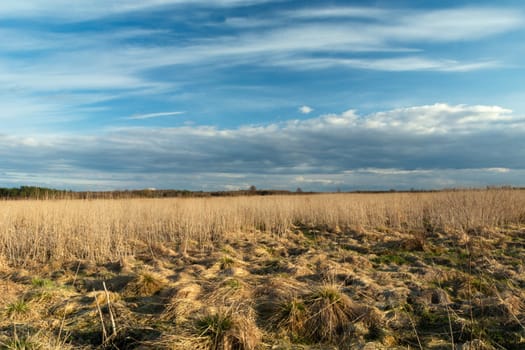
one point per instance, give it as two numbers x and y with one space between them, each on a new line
225 94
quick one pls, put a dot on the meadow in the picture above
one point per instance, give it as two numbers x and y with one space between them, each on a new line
437 270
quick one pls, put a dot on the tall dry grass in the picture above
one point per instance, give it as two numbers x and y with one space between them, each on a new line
102 230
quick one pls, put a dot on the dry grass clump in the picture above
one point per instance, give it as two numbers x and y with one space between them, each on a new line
230 291
183 302
228 329
276 288
101 297
324 315
145 284
291 316
26 340
331 312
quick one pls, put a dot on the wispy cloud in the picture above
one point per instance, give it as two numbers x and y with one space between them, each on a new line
51 73
456 24
339 12
398 64
102 61
154 115
92 9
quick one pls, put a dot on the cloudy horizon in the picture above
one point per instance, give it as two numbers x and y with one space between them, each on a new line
225 94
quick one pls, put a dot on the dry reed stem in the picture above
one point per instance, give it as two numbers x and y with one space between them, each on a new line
36 232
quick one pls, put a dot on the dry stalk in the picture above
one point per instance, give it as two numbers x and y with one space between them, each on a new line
104 332
112 318
102 230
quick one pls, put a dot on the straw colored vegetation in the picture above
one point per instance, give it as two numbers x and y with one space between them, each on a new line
441 270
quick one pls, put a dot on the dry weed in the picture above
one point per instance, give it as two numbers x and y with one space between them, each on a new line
145 284
228 329
35 232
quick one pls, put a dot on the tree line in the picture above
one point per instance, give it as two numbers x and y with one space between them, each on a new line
33 192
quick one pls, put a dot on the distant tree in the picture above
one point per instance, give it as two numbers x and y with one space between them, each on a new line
253 188
299 190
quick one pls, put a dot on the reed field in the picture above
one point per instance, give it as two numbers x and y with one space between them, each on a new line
421 270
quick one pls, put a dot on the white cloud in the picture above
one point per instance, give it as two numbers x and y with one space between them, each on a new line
498 170
398 64
99 61
323 180
387 171
456 24
154 115
72 71
400 28
339 12
92 9
289 45
444 118
306 109
422 144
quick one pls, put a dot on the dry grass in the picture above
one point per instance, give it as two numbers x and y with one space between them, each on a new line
325 314
228 329
107 230
337 271
145 284
331 313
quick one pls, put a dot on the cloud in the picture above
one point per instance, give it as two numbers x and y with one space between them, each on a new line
398 64
457 24
388 172
339 12
498 170
93 9
154 115
99 66
51 74
421 143
322 180
281 42
397 29
306 109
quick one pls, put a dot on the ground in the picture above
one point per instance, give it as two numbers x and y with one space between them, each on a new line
310 288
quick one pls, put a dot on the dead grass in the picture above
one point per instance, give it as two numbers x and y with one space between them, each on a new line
228 329
340 271
33 232
146 283
26 340
184 301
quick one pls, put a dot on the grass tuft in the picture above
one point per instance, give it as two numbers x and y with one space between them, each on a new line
227 330
291 316
17 309
226 263
330 313
145 284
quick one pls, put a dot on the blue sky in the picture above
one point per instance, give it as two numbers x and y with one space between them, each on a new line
213 95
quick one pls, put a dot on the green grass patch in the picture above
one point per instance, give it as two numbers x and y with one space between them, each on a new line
401 258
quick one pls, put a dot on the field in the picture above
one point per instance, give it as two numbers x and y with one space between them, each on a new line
441 270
